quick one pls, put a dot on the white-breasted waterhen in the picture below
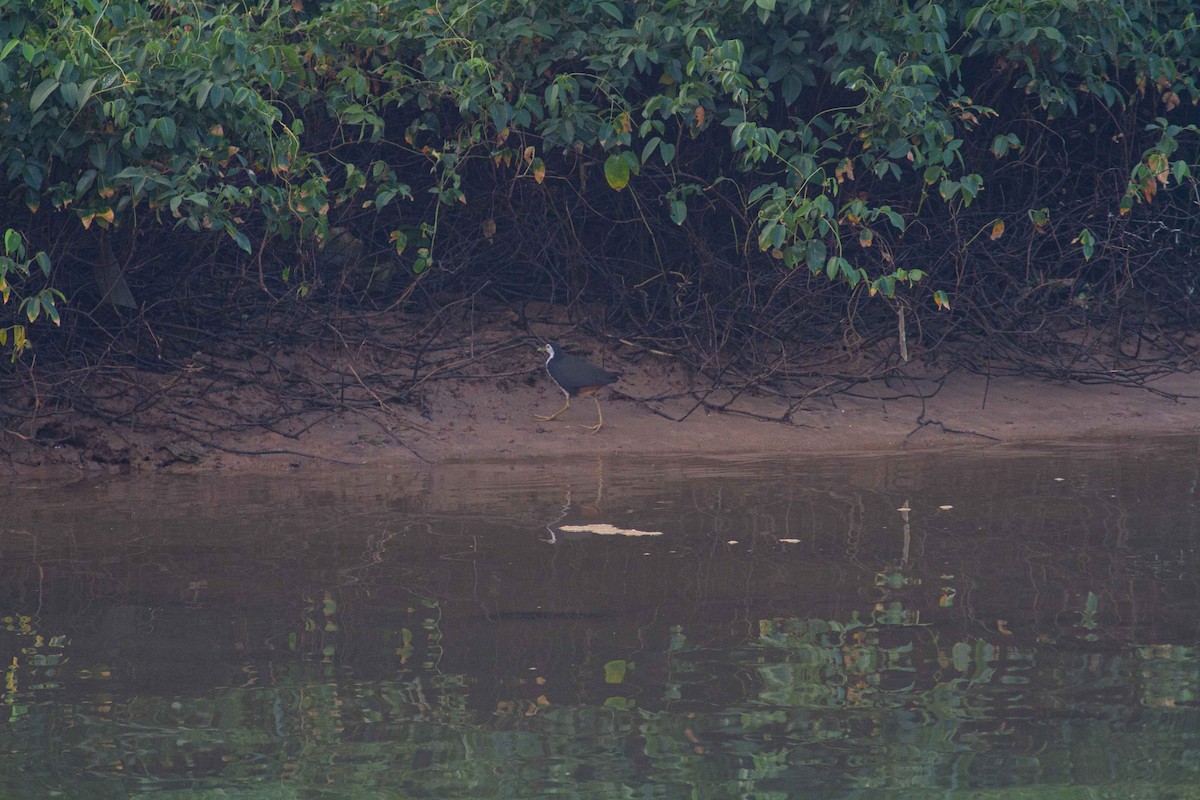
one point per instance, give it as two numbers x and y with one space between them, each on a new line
576 378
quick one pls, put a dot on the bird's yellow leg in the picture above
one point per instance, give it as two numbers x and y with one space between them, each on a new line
599 418
556 414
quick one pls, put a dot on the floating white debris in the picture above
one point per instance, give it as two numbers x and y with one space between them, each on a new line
1060 479
604 529
945 507
790 541
732 541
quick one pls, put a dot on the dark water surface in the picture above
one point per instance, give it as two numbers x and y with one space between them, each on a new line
985 624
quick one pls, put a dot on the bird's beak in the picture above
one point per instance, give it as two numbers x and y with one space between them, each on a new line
542 348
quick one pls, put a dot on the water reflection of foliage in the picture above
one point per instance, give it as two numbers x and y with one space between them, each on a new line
34 664
897 707
831 707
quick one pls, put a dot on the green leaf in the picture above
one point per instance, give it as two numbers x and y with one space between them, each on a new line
612 10
242 241
831 267
85 91
1087 241
167 130
678 211
43 261
12 241
971 184
202 90
89 178
616 171
667 151
32 174
816 256
47 299
8 48
501 114
70 94
631 159
792 86
40 94
648 150
758 192
614 671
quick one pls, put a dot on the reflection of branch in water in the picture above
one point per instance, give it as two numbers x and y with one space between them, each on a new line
599 480
41 578
372 557
561 516
856 512
599 502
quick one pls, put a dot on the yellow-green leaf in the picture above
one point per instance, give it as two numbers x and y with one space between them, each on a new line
614 671
616 171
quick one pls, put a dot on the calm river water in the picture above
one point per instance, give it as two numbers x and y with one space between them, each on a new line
1015 623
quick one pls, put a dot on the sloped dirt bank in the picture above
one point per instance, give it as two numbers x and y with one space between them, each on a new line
369 401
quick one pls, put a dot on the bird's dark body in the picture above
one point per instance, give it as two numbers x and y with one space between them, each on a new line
575 376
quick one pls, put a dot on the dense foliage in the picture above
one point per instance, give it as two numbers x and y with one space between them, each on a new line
725 173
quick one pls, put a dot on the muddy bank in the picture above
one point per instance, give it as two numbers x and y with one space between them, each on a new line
653 409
